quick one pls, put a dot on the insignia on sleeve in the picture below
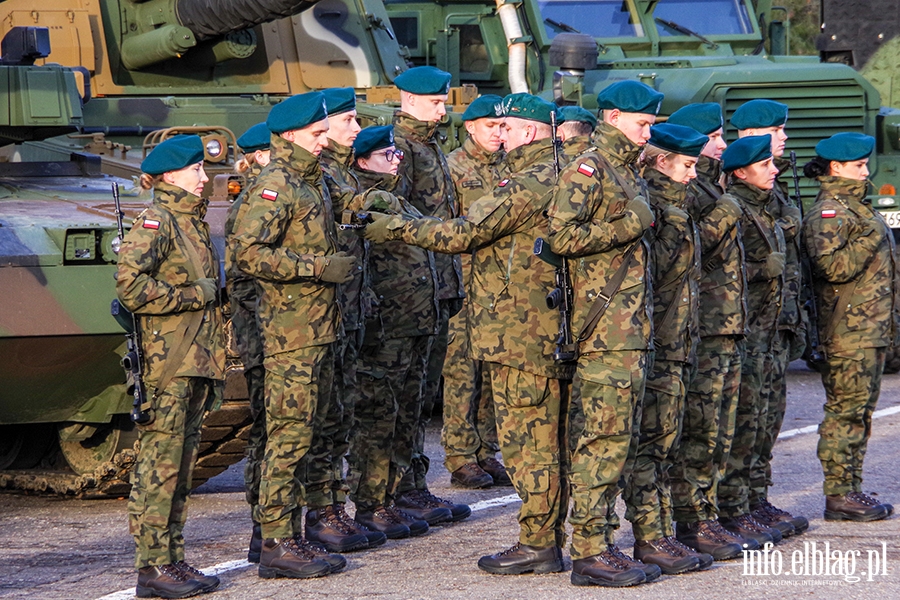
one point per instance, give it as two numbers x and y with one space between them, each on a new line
151 224
503 183
829 213
586 170
268 194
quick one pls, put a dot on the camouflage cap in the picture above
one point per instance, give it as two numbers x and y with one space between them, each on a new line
527 106
576 113
255 138
297 112
375 138
631 97
847 146
678 139
488 106
339 100
759 113
424 81
174 154
746 151
705 117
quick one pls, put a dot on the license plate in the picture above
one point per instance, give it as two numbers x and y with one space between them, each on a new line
892 217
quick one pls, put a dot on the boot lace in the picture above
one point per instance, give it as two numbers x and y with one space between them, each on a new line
334 520
188 569
863 498
172 571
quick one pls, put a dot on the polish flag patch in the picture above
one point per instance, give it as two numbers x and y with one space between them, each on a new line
503 183
151 224
268 194
829 214
586 170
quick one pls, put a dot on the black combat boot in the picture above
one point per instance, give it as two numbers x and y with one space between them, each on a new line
416 525
426 499
523 559
255 544
669 559
497 471
209 582
748 528
382 520
324 526
606 569
651 572
704 560
166 581
770 515
423 511
285 558
854 506
471 476
373 538
710 537
335 562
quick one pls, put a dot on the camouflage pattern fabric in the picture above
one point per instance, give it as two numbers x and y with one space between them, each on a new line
295 384
161 478
774 393
850 248
256 438
469 432
529 410
793 318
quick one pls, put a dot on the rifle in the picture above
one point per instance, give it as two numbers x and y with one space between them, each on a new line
816 351
133 361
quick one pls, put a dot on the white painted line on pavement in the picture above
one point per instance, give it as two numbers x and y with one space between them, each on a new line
494 502
885 412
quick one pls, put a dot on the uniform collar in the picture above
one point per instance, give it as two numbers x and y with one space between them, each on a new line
292 156
175 199
370 179
709 168
343 155
845 189
479 154
529 154
576 145
749 193
614 146
410 127
664 188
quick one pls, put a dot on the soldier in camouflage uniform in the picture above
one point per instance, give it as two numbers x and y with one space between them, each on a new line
852 253
425 182
287 241
597 218
668 161
508 287
393 358
761 117
714 381
168 276
749 164
469 434
244 294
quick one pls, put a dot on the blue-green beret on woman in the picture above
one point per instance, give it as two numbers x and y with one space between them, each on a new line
174 154
371 139
255 138
846 147
746 151
630 96
297 112
705 117
677 139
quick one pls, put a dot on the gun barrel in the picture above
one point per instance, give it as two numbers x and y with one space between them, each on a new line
213 18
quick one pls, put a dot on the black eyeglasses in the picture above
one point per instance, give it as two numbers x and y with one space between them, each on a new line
390 155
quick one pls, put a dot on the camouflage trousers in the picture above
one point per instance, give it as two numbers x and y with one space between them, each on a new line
530 411
324 481
295 384
647 493
752 412
161 479
607 392
775 396
469 433
391 376
852 384
414 479
256 440
708 429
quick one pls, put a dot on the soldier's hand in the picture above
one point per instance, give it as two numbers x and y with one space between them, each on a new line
642 211
337 268
209 289
382 201
774 265
378 231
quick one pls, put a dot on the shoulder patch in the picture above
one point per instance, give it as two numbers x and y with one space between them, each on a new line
829 213
503 183
150 224
586 170
268 194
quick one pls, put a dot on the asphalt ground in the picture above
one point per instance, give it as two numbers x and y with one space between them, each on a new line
81 549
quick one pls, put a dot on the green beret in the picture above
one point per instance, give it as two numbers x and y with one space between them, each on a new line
844 147
631 97
424 81
576 113
489 106
255 138
678 139
526 106
297 112
339 100
757 114
371 139
746 151
173 154
705 117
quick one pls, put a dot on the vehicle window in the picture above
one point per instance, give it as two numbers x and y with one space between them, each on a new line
598 18
706 17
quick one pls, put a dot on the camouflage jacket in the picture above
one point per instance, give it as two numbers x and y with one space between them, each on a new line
403 279
787 215
425 182
507 318
588 223
289 223
675 268
243 291
851 251
723 283
155 280
344 190
761 236
573 147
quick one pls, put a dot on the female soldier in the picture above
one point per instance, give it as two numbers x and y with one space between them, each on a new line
669 162
167 275
851 251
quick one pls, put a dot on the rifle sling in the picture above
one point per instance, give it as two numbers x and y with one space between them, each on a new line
604 298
